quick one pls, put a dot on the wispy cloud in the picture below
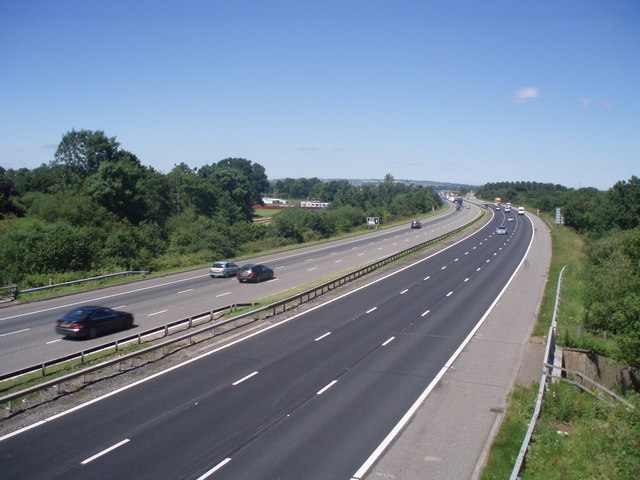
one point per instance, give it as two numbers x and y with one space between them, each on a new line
525 94
585 103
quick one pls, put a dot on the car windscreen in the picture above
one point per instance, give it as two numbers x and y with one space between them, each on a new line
78 313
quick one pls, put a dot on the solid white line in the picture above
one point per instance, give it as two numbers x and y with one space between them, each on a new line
322 336
320 392
185 291
104 452
157 313
17 331
53 341
337 261
223 294
388 341
371 310
215 469
238 382
310 269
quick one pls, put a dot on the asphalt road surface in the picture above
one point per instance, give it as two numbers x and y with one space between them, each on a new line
311 397
27 335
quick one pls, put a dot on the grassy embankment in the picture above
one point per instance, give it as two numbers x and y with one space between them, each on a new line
577 436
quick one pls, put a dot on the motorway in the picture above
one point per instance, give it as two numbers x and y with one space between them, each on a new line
27 334
310 397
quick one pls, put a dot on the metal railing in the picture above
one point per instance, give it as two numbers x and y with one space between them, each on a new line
552 371
248 317
73 282
549 355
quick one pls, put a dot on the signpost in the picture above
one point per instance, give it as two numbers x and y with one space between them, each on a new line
373 221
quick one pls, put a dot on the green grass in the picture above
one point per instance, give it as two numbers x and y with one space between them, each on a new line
580 437
265 212
567 249
514 426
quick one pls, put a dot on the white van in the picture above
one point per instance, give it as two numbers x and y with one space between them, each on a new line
520 210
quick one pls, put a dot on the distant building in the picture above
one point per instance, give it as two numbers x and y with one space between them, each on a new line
314 204
273 201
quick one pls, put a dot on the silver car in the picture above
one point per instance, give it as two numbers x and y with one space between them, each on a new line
223 269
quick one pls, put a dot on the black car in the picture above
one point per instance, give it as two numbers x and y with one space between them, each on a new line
254 273
416 224
92 321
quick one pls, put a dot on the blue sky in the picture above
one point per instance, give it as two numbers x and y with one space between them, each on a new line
457 91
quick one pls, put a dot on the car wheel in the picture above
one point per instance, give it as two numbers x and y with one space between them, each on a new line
93 332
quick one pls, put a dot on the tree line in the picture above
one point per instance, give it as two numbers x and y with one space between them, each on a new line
95 208
610 225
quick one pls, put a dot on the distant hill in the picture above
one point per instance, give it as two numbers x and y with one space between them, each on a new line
423 183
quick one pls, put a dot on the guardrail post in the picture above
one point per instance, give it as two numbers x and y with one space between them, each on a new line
44 368
166 330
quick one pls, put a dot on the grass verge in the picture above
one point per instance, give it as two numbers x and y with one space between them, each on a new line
577 436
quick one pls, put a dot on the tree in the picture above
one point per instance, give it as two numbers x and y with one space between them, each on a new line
585 210
114 185
624 202
81 152
254 174
7 191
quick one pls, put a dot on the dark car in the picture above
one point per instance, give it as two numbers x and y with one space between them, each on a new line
92 321
416 224
254 273
223 269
